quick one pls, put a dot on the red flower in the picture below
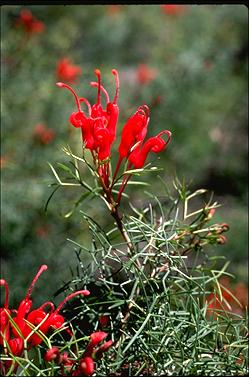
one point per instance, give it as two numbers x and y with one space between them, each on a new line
103 348
67 71
31 24
97 337
98 129
43 134
87 366
25 320
154 144
172 9
145 74
134 131
52 354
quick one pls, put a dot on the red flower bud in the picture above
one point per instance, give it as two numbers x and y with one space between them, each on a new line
98 354
97 337
52 354
16 346
134 130
87 366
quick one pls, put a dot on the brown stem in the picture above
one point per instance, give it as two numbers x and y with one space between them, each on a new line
118 219
121 228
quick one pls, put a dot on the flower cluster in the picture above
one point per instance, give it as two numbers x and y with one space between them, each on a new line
25 327
85 365
30 24
67 71
98 127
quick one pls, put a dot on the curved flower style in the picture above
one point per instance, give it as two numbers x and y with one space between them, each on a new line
98 127
20 327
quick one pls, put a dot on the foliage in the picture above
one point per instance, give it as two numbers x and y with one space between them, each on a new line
159 284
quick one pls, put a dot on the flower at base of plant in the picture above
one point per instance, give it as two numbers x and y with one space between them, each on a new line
67 71
95 339
30 24
87 366
17 327
98 354
52 354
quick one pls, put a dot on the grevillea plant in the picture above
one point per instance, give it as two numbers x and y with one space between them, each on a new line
99 128
153 281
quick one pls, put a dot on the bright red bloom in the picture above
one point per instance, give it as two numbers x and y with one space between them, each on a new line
98 128
154 144
97 337
25 320
134 131
43 134
4 315
145 74
52 354
87 366
31 24
172 9
67 71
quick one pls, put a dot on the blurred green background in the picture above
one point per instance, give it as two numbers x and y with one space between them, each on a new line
189 64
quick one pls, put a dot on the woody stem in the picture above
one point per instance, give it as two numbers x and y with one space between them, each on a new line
118 219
